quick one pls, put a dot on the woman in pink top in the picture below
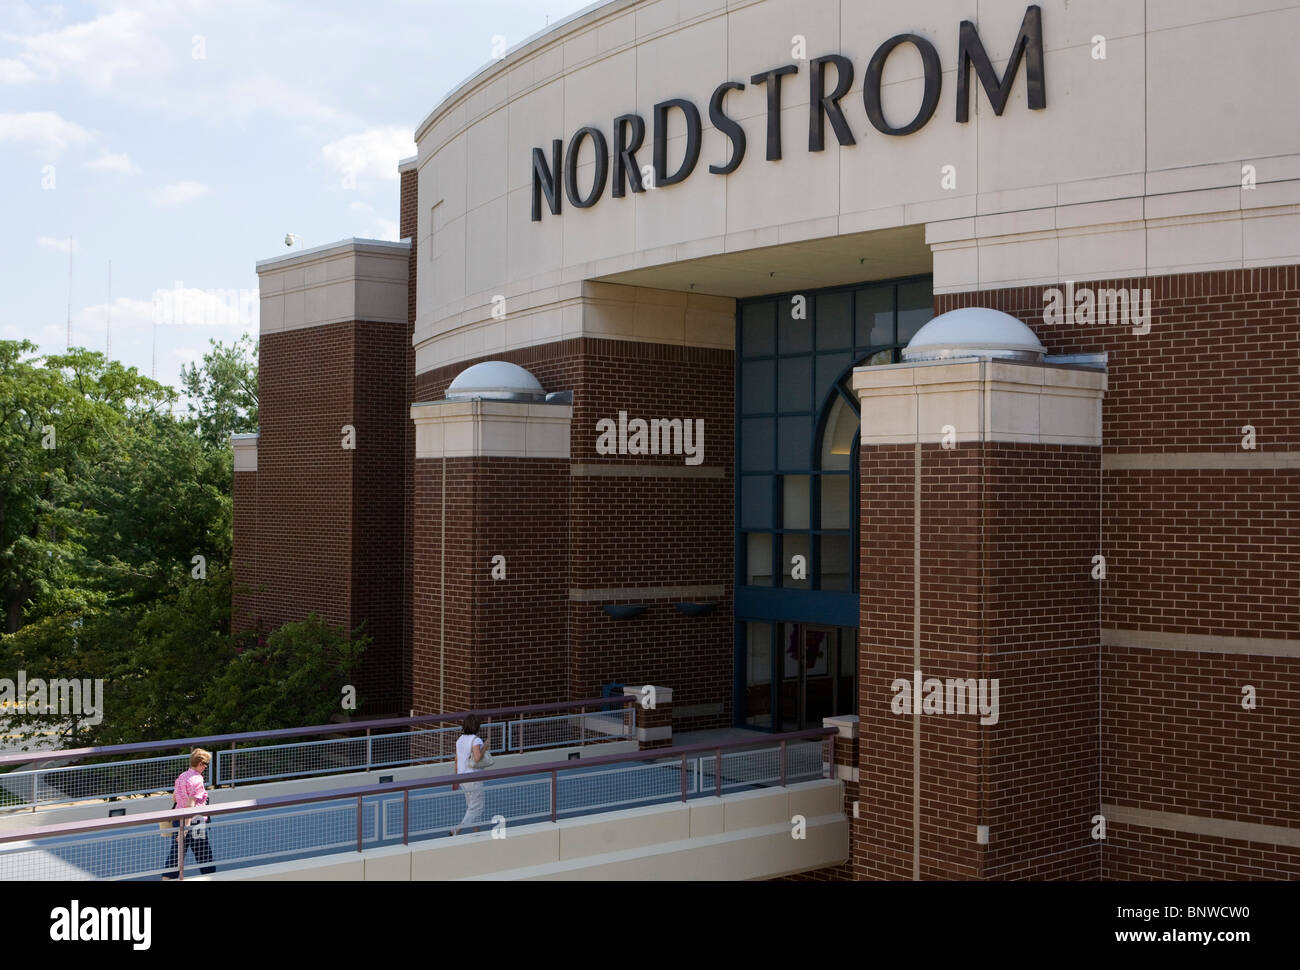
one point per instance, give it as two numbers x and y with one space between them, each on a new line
189 792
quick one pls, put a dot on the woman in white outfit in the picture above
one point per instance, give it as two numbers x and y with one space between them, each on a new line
469 751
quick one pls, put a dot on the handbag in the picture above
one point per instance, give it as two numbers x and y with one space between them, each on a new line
165 828
484 762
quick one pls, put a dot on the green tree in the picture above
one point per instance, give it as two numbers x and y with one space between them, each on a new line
223 391
291 678
65 421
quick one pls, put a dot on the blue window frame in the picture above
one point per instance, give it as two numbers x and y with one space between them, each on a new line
796 455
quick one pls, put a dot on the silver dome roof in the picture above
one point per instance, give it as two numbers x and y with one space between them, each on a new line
974 332
495 380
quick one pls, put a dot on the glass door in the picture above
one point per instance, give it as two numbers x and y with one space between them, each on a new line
811 684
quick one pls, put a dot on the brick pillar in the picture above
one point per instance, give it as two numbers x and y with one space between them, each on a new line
976 567
491 480
331 451
846 758
244 552
654 727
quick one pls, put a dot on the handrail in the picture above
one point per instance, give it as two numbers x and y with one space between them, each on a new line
71 754
361 791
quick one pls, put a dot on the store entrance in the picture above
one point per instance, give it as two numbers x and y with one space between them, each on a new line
817 667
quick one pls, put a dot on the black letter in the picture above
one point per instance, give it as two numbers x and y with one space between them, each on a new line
544 180
728 127
625 165
1030 38
929 98
571 168
692 155
773 81
821 104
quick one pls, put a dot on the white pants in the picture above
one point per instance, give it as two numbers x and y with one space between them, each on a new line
474 798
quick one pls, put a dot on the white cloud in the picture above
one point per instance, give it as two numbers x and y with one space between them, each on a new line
58 245
92 52
374 152
15 72
46 131
273 96
179 192
109 162
386 229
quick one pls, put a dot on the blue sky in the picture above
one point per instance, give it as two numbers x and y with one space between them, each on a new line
181 140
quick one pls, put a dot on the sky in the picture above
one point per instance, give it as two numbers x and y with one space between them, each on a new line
166 147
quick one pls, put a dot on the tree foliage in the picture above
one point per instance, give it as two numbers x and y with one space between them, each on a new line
107 495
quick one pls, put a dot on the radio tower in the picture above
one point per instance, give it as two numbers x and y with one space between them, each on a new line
69 293
108 316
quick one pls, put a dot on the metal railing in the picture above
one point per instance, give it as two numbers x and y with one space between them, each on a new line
289 828
262 756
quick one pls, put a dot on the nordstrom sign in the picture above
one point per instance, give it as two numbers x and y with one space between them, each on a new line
556 178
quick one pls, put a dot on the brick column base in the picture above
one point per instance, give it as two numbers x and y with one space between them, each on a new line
654 725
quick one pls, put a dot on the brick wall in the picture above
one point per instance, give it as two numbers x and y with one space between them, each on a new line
633 532
330 520
1007 535
304 543
1223 351
409 230
243 552
380 414
1194 551
504 642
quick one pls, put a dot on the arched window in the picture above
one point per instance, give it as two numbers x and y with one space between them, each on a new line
798 423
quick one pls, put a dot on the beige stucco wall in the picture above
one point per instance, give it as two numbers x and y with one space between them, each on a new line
746 835
1135 166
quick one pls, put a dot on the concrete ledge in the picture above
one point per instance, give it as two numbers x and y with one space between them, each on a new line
389 864
746 835
754 809
982 401
764 853
631 829
468 855
350 280
1199 643
707 817
1221 828
333 868
846 724
815 799
1201 461
491 429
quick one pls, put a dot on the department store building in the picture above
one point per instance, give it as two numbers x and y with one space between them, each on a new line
820 359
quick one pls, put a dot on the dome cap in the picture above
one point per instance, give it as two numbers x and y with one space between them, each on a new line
974 332
495 380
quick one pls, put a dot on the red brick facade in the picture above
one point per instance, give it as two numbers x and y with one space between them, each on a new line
480 641
632 532
1007 537
328 519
